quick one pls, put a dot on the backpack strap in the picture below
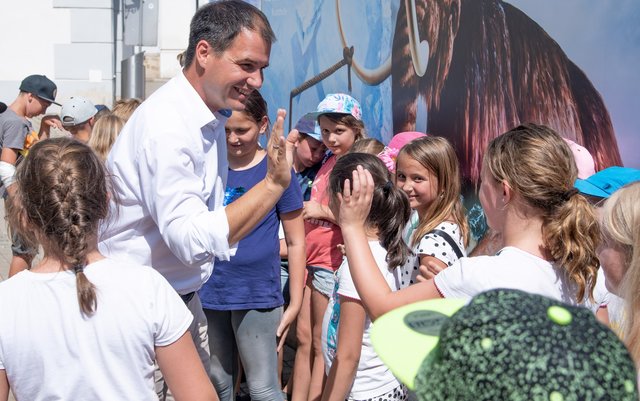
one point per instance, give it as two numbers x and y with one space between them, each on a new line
450 241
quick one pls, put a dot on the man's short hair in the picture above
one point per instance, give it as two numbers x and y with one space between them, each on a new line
219 23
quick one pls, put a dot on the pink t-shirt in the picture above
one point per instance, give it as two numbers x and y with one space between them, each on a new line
323 237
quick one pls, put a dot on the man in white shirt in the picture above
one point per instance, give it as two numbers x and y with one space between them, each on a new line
170 161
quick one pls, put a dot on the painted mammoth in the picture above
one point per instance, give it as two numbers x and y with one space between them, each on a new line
489 67
482 67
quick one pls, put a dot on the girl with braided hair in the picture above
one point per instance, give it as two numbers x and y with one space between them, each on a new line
79 325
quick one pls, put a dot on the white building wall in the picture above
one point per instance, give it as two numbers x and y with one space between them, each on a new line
72 43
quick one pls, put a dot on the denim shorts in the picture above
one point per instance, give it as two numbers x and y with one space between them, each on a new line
322 280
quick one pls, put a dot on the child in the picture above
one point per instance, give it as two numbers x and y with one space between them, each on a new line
620 258
550 232
354 370
124 108
80 326
104 134
243 299
309 151
340 120
427 170
367 145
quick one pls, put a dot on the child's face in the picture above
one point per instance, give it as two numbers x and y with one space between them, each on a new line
337 137
420 184
242 134
613 259
490 195
309 151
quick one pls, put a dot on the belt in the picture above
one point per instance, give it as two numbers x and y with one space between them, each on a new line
186 298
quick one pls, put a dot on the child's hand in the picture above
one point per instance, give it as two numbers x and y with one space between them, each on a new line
312 210
430 270
354 203
288 317
292 139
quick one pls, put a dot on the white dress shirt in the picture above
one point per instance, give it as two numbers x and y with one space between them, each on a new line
169 167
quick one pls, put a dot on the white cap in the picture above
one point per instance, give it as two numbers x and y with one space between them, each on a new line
77 111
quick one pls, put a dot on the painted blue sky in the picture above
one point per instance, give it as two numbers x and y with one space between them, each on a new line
602 38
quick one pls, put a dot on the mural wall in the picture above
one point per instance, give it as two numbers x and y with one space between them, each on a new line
467 70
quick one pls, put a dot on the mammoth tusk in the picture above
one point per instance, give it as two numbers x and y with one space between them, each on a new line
367 75
419 49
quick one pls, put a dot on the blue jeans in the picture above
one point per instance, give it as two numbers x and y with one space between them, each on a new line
251 333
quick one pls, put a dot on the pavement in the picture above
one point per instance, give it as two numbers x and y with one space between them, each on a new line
5 245
5 254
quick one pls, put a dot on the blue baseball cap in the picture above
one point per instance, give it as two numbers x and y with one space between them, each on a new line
309 127
605 182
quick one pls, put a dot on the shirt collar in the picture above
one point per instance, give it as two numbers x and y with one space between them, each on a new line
194 108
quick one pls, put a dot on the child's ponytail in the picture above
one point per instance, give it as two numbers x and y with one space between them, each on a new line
539 166
571 235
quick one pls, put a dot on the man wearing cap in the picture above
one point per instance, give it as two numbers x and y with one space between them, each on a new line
78 117
170 160
37 93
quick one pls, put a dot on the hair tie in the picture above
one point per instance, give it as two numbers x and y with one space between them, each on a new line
569 194
78 268
387 186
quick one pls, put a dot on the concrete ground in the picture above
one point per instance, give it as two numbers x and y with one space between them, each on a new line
5 254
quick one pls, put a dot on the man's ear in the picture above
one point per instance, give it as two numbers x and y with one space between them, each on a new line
202 53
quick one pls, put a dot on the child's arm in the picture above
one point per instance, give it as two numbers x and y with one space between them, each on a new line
345 364
354 205
602 314
293 226
183 371
430 266
315 210
4 385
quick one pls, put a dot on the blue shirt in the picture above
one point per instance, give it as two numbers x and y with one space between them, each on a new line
251 279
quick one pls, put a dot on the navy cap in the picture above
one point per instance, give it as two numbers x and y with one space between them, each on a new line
40 86
309 127
3 107
605 182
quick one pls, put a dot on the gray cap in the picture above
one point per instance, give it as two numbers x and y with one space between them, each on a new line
77 111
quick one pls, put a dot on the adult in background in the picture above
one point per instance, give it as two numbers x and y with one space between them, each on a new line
170 161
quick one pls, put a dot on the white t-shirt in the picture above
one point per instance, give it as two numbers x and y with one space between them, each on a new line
435 245
373 378
510 268
50 351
